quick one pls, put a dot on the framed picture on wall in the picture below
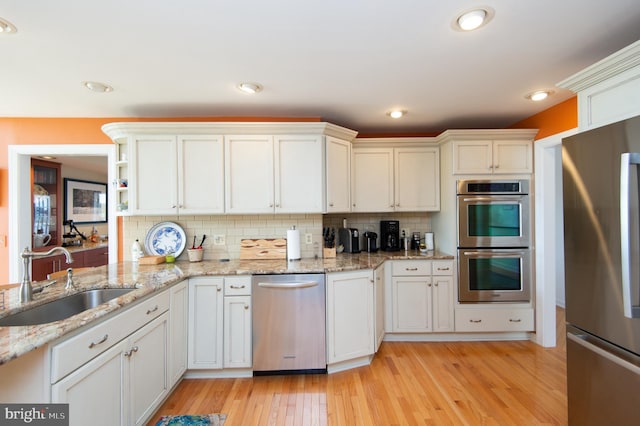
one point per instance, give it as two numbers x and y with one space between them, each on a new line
85 201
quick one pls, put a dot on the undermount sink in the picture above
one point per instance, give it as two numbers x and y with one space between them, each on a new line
63 308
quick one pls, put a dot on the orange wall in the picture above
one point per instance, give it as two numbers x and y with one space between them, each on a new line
556 119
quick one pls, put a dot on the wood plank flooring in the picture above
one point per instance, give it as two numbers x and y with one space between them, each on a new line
408 383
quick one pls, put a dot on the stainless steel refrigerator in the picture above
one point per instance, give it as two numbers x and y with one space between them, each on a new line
601 187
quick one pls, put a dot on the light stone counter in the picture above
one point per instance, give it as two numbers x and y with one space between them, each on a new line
147 279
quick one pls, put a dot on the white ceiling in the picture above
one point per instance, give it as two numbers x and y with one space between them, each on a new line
345 61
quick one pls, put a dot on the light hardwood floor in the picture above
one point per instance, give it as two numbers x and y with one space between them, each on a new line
458 383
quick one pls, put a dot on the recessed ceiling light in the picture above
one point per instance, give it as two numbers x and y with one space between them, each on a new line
96 86
7 27
473 19
539 95
397 113
250 88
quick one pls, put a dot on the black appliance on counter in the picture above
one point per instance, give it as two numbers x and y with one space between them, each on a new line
389 235
350 239
370 242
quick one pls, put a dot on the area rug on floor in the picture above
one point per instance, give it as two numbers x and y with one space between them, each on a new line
191 420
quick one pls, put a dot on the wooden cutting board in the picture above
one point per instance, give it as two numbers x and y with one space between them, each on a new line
264 248
151 260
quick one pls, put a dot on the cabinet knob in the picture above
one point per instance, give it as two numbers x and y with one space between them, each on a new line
429 285
354 204
330 204
173 206
270 204
496 166
246 306
435 285
398 205
219 289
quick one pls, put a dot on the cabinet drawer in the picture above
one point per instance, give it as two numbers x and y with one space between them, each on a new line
237 286
70 354
410 267
442 267
498 319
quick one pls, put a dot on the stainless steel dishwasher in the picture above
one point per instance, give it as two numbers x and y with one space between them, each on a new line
289 324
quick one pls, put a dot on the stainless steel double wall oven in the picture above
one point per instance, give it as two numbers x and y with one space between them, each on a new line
494 225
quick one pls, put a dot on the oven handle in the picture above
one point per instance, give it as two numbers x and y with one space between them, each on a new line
518 253
495 198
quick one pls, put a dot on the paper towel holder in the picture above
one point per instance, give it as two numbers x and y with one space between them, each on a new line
293 244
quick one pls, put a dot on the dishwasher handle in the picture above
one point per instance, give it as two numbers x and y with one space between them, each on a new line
289 285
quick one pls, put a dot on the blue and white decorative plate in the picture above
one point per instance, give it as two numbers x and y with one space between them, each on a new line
165 238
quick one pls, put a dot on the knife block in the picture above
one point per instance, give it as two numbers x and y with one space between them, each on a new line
328 253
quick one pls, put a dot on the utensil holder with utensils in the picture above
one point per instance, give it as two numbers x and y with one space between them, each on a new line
195 255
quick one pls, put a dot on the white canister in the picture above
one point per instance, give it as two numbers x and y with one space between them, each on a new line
428 240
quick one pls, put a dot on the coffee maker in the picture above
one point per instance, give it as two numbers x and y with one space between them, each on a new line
389 235
370 242
349 238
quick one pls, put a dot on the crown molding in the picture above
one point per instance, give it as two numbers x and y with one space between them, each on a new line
612 65
123 129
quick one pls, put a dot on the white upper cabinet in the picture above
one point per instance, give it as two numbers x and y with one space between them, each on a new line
372 180
395 179
281 174
338 175
176 174
299 174
609 90
249 174
239 168
492 157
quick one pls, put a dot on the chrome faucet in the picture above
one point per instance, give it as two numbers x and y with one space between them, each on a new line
26 291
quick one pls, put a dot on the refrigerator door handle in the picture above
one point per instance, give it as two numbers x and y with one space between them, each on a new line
626 221
604 352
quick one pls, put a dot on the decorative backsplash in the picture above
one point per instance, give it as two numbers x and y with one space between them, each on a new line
236 228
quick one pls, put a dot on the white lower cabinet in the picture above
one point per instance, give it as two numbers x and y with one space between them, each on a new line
350 315
124 384
237 322
178 323
205 322
379 283
421 297
492 318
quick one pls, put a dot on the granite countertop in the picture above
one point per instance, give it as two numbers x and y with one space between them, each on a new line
147 279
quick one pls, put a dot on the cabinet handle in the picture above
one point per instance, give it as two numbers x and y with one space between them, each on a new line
443 269
496 166
150 311
515 320
354 204
391 205
330 204
398 205
270 204
131 351
104 339
475 321
173 206
237 286
435 285
246 306
219 288
429 285
410 269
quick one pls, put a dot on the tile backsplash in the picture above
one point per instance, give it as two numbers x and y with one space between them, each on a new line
235 228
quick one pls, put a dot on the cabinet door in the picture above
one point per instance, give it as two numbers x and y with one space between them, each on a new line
443 303
378 275
472 157
512 157
147 357
338 175
249 174
299 174
153 185
178 329
411 298
205 323
372 180
95 391
200 174
350 315
417 179
237 331
95 257
41 267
